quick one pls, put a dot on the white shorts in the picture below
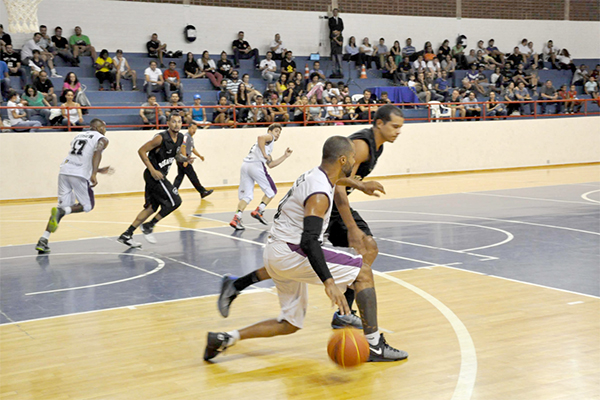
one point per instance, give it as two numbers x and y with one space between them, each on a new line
255 172
291 271
73 189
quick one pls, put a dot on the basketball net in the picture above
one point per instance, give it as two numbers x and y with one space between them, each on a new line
22 15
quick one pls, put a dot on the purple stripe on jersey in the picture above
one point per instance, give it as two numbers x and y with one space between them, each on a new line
91 194
270 180
332 256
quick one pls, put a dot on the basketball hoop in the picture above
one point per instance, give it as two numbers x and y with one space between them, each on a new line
22 15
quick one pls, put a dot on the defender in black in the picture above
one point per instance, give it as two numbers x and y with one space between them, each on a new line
158 155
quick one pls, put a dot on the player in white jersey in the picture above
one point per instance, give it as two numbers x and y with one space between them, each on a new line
254 169
77 177
294 258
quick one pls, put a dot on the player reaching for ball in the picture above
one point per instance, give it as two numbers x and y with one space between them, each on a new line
294 258
77 177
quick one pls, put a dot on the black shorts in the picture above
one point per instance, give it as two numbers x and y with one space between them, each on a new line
160 193
337 231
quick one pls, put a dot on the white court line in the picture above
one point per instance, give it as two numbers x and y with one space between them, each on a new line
160 266
483 258
585 196
524 198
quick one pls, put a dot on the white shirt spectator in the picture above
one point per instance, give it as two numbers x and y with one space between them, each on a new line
419 64
525 49
434 66
154 75
546 52
589 86
28 48
14 121
279 49
368 50
211 63
270 63
122 65
337 111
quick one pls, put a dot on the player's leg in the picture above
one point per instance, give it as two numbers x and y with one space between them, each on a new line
151 204
169 199
265 182
231 287
245 195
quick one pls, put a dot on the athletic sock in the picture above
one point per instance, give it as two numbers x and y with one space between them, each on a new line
243 282
152 222
261 207
373 338
234 337
46 235
67 210
239 214
130 230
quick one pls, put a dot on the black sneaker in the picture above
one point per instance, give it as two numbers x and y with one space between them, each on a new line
206 193
228 294
148 230
42 246
127 240
216 342
346 321
383 352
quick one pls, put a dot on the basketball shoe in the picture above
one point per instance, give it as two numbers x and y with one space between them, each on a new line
346 321
42 246
383 352
259 216
127 240
216 342
55 216
147 231
236 223
206 193
228 294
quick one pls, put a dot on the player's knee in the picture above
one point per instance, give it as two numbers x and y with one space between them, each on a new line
88 207
288 328
365 276
177 203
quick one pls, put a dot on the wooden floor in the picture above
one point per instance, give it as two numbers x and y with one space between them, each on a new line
469 336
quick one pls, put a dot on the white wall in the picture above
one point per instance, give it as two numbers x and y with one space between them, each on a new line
127 25
30 161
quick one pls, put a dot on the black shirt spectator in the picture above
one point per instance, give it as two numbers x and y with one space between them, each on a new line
152 46
43 87
240 44
61 43
335 23
288 65
224 66
10 59
4 38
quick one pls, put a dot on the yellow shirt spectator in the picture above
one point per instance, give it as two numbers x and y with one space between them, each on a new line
104 63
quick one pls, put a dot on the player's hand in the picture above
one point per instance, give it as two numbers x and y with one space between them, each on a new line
201 158
356 240
93 180
371 188
336 296
269 159
157 175
288 152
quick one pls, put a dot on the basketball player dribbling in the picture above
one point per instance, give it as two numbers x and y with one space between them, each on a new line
294 257
77 177
254 169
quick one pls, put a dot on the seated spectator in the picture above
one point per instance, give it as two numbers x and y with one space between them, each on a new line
241 98
405 69
509 95
534 56
314 111
199 113
175 101
209 68
153 79
13 62
396 52
289 96
494 52
456 105
591 87
494 109
172 81
152 116
156 49
72 83
81 45
329 91
301 108
223 113
224 66
300 84
288 66
365 108
442 86
507 74
525 51
435 67
549 55
520 75
458 53
233 82
471 58
367 54
315 88
277 47
420 87
250 89
449 65
276 112
596 72
548 92
270 90
419 65
408 51
71 112
351 51
382 52
281 85
573 106
268 68
17 116
258 113
191 68
349 112
334 112
444 51
428 53
4 39
522 94
580 76
515 58
45 87
472 110
4 81
27 52
33 98
243 50
105 70
46 43
482 80
62 48
565 61
124 71
316 69
36 64
497 80
429 84
532 77
391 69
384 99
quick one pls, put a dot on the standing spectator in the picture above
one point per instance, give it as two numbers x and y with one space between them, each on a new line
175 101
124 71
149 115
156 49
472 110
456 105
72 83
105 70
337 45
199 113
191 68
81 45
591 87
288 66
277 47
335 23
45 86
268 68
33 44
382 52
233 82
17 116
172 81
4 38
36 99
494 109
153 79
408 50
61 47
444 50
396 51
224 66
351 50
548 92
522 94
209 68
367 54
13 62
243 50
71 112
549 55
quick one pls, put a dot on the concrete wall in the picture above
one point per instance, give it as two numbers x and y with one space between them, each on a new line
30 161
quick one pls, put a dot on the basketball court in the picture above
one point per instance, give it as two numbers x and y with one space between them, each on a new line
490 282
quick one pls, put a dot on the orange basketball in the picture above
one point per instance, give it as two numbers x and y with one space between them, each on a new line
348 347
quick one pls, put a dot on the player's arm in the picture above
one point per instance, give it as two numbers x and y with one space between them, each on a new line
198 154
315 208
262 142
274 163
96 158
143 153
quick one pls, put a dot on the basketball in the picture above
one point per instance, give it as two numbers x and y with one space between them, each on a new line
348 348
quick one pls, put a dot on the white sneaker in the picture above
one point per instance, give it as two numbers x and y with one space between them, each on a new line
147 231
55 75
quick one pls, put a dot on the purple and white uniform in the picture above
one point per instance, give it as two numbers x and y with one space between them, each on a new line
254 169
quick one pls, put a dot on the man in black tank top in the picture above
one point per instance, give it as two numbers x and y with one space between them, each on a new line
346 227
158 155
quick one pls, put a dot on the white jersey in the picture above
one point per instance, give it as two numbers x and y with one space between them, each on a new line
79 159
255 155
288 223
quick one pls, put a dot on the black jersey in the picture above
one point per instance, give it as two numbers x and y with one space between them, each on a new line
365 168
163 156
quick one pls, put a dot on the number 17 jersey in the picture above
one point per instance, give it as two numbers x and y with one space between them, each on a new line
81 153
